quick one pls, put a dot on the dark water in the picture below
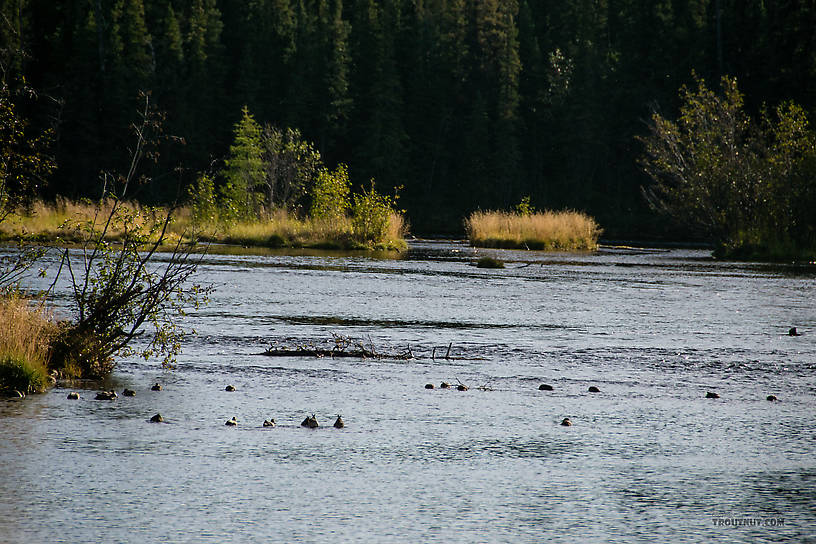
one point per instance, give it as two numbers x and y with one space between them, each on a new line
648 459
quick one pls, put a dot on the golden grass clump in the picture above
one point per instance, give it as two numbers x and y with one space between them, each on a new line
25 335
565 230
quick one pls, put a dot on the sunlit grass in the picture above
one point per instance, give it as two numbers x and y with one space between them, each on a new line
567 230
25 334
63 221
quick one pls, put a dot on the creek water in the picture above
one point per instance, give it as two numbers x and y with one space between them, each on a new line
647 459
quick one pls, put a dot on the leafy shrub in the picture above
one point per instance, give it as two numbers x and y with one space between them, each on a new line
370 215
330 199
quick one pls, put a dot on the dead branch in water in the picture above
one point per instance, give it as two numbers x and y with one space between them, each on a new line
347 347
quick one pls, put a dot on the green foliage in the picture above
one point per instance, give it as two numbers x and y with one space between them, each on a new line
244 170
369 215
291 166
524 208
20 374
330 198
203 201
739 184
24 163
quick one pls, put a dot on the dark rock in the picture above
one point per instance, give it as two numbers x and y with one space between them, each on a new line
593 389
712 395
231 422
772 398
429 386
338 423
229 388
129 393
793 332
566 422
269 423
156 387
157 419
73 395
545 387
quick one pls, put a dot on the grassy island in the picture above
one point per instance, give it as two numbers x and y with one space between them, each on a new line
547 230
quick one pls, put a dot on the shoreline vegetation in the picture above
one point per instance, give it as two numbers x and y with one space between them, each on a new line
535 230
63 221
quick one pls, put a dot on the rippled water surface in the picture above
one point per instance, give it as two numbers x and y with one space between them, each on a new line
647 459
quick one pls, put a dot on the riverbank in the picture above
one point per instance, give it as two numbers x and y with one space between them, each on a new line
65 222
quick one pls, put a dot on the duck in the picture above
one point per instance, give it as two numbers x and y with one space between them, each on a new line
156 387
461 387
269 423
231 422
545 387
444 385
73 395
157 419
128 392
310 422
338 423
593 389
566 422
772 398
712 395
229 388
429 386
106 395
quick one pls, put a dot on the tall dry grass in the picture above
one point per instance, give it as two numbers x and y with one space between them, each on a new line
279 228
25 335
565 230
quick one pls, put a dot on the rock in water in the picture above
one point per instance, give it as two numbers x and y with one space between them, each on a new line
712 395
593 389
157 419
73 395
545 387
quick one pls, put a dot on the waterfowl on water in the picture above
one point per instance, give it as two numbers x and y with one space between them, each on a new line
444 385
545 387
566 422
461 387
106 395
229 388
771 398
429 386
157 419
269 423
129 392
338 423
310 422
156 387
793 332
73 395
231 422
593 389
712 395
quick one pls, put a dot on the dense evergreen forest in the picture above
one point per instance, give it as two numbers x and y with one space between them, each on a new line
463 104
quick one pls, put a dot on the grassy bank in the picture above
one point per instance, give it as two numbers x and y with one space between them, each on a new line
565 231
25 335
58 221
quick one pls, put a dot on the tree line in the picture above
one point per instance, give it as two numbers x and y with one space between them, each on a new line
459 104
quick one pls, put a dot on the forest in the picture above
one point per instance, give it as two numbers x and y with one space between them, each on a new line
456 105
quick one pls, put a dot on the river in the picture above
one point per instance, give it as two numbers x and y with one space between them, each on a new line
647 459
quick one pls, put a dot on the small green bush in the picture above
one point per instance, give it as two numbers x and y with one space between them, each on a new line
330 199
369 215
21 374
203 201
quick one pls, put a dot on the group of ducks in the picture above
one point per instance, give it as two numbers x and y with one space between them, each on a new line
592 389
310 422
